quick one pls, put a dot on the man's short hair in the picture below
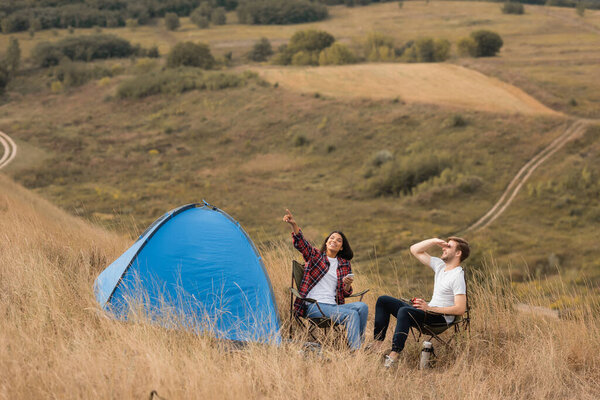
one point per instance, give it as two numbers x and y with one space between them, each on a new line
462 245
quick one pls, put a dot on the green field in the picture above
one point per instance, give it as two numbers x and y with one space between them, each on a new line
257 149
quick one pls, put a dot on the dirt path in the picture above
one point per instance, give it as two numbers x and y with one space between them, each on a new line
574 130
10 150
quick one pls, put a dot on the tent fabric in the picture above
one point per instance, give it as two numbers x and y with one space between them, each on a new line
195 263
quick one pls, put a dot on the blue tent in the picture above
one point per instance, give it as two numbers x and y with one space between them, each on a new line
197 263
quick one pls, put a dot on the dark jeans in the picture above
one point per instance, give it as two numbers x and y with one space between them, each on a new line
406 316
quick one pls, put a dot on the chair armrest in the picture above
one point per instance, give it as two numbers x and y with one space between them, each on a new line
358 294
297 294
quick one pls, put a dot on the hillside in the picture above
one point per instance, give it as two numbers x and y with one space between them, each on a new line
57 343
255 149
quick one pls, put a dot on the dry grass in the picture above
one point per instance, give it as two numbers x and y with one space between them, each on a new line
56 343
444 84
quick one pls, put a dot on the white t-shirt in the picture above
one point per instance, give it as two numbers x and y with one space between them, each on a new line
447 285
324 290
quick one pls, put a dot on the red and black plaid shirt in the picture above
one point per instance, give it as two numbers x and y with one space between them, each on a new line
315 268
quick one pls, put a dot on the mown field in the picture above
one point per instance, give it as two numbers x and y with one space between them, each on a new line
256 149
55 341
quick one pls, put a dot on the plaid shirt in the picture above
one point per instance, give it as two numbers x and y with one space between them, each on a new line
315 268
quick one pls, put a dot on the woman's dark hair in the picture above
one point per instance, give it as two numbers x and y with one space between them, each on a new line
346 252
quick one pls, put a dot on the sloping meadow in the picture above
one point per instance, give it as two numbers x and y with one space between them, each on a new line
56 342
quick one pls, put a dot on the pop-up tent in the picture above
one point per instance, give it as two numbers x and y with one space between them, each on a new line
198 264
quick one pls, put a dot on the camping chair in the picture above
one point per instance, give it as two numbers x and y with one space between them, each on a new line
434 330
324 323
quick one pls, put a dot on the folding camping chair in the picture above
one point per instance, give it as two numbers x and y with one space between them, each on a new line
323 323
434 330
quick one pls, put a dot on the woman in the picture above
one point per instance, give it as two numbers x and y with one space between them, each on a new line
328 280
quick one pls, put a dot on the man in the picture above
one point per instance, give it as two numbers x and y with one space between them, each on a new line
449 294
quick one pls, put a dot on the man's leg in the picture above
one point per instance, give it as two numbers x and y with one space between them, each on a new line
386 306
407 317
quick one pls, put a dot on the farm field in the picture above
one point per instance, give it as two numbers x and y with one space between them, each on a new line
447 85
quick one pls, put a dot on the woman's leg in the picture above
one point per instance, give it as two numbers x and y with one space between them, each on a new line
386 306
363 312
342 314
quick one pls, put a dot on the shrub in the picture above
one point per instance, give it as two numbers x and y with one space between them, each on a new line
174 81
467 47
12 58
261 50
190 54
131 23
305 58
511 7
201 15
310 40
488 43
580 8
427 50
4 78
457 121
72 74
336 54
280 12
82 48
218 16
379 47
400 177
172 21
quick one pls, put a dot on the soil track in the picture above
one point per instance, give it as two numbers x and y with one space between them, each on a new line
574 130
432 83
10 150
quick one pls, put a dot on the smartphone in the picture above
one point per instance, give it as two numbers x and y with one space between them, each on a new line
350 275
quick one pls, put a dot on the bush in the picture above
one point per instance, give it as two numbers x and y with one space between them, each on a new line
467 47
4 78
513 8
379 47
218 16
72 74
400 177
280 12
336 54
310 40
172 21
427 50
261 50
304 48
175 81
201 15
190 54
488 43
82 48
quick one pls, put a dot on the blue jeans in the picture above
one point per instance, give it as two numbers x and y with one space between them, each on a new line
352 315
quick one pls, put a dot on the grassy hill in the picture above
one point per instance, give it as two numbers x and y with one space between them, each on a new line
56 342
256 149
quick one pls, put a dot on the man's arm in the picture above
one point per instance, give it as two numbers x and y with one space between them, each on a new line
459 307
419 249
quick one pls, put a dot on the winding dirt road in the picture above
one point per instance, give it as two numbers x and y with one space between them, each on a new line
10 150
575 130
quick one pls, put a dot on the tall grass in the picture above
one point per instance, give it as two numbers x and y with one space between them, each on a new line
56 343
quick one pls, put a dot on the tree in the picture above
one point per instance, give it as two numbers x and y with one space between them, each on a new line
488 43
218 16
336 54
310 40
4 78
201 15
12 59
467 47
261 50
580 8
172 21
511 7
190 54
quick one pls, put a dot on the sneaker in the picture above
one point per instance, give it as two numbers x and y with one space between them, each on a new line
389 362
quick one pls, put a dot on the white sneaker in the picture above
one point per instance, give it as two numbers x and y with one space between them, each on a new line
389 362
